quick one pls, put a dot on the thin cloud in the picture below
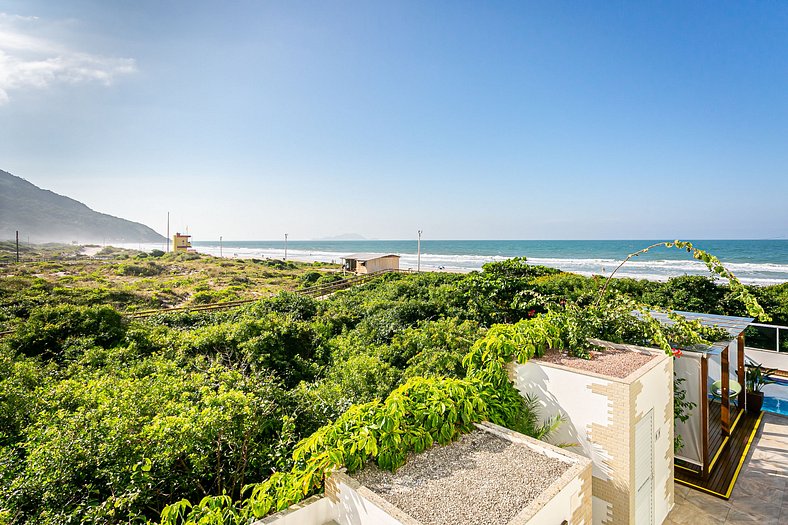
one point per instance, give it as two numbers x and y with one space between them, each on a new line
29 61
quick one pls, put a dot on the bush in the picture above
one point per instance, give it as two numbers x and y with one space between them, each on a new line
276 264
19 380
297 306
140 270
694 293
309 279
111 446
49 328
330 278
434 348
276 343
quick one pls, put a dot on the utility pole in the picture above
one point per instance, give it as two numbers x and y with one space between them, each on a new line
168 232
285 247
220 246
17 250
418 257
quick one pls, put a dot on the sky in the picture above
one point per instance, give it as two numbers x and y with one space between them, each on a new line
467 120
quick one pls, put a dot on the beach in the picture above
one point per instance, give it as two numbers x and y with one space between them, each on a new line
758 262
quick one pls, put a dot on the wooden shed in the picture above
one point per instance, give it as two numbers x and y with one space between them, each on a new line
363 263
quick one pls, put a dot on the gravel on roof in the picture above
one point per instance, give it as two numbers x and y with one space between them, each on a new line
611 361
481 479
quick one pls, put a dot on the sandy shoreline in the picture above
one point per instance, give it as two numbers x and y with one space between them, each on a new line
659 271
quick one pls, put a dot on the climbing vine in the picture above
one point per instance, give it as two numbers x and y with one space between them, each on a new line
682 409
714 265
411 419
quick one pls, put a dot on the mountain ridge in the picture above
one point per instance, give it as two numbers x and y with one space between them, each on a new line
46 216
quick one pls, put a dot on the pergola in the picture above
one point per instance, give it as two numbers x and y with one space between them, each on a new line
707 430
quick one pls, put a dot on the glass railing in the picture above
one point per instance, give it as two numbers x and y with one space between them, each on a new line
772 338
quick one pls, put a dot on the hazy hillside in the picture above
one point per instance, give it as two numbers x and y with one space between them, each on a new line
44 216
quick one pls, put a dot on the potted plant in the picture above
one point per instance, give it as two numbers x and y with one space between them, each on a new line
755 379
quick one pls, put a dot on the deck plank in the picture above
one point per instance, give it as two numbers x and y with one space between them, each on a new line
721 479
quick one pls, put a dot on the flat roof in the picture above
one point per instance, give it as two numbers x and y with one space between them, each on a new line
368 256
481 478
614 360
731 324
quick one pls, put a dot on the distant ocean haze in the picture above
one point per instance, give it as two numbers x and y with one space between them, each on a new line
760 262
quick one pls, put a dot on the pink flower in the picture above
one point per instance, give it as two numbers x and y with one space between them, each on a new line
531 313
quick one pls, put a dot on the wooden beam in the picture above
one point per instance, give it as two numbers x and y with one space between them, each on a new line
725 402
741 373
704 414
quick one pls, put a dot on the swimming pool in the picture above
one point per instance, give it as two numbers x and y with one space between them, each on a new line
775 397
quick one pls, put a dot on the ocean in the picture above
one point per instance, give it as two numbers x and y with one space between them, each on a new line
761 262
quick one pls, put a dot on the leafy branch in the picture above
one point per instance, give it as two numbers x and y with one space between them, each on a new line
715 267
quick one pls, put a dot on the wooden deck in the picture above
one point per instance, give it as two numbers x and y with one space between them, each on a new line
716 437
727 453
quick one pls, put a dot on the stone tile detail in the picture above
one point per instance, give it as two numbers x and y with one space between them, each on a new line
582 514
330 488
614 438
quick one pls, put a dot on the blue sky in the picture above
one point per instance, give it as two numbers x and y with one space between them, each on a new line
521 120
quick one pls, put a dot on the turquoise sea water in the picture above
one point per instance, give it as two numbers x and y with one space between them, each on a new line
753 261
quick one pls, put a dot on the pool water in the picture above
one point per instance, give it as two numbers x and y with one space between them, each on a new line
775 397
776 405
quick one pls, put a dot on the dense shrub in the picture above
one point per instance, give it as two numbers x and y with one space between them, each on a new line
329 278
276 342
309 279
433 348
276 264
113 445
691 293
140 270
19 379
48 328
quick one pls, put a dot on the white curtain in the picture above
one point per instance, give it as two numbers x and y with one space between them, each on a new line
688 367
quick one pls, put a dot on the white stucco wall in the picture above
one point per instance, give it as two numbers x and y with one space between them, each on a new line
345 502
600 508
316 510
356 508
568 393
562 506
583 398
656 393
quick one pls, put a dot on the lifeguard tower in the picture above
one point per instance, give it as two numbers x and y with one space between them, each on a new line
181 243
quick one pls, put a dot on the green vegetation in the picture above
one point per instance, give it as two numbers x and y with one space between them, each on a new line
757 377
130 280
109 419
